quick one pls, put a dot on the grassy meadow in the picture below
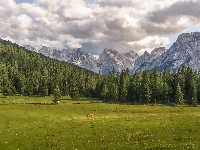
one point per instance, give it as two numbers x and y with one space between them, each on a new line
32 123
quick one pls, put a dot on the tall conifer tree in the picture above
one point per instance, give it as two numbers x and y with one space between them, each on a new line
146 87
179 95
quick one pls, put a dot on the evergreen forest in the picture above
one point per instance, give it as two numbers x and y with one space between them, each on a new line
31 74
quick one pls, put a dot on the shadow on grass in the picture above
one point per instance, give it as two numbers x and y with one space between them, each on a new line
3 97
151 104
81 100
40 103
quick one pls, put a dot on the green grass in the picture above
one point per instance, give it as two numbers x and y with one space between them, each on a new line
32 123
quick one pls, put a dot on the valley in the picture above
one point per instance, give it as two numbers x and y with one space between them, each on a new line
34 123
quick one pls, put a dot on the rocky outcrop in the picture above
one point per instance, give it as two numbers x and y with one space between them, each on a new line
111 59
184 51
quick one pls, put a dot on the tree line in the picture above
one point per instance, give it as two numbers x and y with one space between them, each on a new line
28 73
151 87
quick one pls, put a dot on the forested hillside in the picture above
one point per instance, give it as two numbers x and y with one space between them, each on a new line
28 73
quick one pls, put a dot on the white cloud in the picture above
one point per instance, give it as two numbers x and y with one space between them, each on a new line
122 25
149 42
23 21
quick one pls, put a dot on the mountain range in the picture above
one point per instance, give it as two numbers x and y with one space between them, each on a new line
184 51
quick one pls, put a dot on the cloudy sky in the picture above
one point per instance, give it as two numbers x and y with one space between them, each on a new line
93 25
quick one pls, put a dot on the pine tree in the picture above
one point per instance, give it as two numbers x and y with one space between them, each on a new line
156 86
146 87
2 72
73 85
194 96
65 87
170 86
179 96
193 87
123 85
99 86
137 87
56 94
112 86
131 92
190 86
104 92
6 86
181 79
165 93
44 82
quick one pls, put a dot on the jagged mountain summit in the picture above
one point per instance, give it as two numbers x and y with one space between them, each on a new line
31 48
184 51
141 63
111 59
77 57
108 60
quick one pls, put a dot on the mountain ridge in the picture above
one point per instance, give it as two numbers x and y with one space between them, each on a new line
184 51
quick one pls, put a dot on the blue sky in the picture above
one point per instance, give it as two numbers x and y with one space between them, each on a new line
97 24
22 1
191 28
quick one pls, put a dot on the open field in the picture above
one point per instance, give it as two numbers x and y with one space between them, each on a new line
32 123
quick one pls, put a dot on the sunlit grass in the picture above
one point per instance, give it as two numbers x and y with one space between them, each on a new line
33 123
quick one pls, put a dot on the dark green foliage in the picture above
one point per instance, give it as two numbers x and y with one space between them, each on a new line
123 85
137 87
169 87
28 73
74 87
179 96
56 94
157 86
146 88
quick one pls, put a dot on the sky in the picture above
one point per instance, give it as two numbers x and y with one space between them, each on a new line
93 25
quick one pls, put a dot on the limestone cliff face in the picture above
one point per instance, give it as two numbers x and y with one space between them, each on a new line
143 61
185 51
111 59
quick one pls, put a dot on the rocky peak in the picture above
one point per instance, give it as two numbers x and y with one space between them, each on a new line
110 59
109 52
184 37
79 50
142 59
188 37
132 54
186 50
146 53
46 51
158 51
196 35
30 48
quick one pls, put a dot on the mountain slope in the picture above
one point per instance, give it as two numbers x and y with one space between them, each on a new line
108 60
29 73
111 59
186 50
141 63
